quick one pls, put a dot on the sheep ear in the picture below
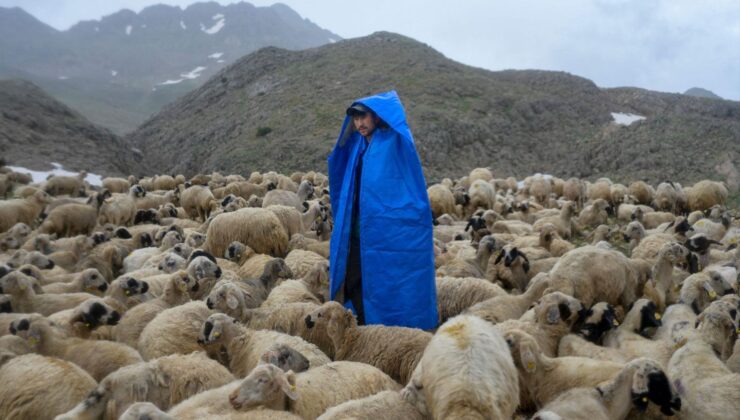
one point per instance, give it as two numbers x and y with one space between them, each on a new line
528 360
499 256
231 302
553 315
287 384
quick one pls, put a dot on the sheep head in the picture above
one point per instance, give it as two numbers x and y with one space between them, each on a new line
93 282
267 385
218 328
228 298
650 383
524 350
286 358
557 308
597 320
93 313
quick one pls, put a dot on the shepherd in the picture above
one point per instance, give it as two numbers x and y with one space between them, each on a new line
382 256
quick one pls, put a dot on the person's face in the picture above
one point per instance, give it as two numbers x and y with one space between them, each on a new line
364 123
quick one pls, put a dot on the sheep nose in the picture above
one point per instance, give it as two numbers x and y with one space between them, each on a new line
209 303
309 323
131 283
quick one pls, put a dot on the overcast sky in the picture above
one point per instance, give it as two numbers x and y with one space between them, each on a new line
665 45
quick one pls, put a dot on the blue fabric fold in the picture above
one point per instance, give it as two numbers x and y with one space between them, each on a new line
398 280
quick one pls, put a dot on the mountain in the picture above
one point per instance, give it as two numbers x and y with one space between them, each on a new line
36 130
120 69
702 93
282 110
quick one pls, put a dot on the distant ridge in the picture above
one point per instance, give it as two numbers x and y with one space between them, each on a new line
516 122
119 70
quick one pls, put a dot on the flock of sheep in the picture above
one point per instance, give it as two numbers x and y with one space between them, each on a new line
167 298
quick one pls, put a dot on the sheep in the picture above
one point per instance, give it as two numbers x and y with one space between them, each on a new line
562 221
552 317
592 274
260 229
594 214
116 185
394 350
456 294
244 347
542 377
708 388
286 358
25 210
441 200
482 195
661 283
99 358
120 209
26 299
637 384
214 403
514 272
713 230
463 267
705 194
289 198
198 202
643 192
301 262
71 219
40 387
164 381
86 317
21 257
89 281
500 308
290 218
61 184
144 410
629 338
385 404
466 372
665 197
250 263
174 330
312 288
574 190
700 289
154 201
514 227
14 237
135 319
310 393
653 219
250 293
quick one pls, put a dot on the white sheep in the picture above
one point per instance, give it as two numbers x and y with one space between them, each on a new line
164 382
260 229
26 299
310 393
134 321
562 222
637 384
394 350
456 294
466 372
244 347
38 387
198 202
174 330
25 210
99 358
500 308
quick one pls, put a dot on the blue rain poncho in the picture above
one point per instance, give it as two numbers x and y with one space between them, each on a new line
396 248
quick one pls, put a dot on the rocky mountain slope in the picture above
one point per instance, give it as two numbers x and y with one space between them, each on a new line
120 69
282 110
36 131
